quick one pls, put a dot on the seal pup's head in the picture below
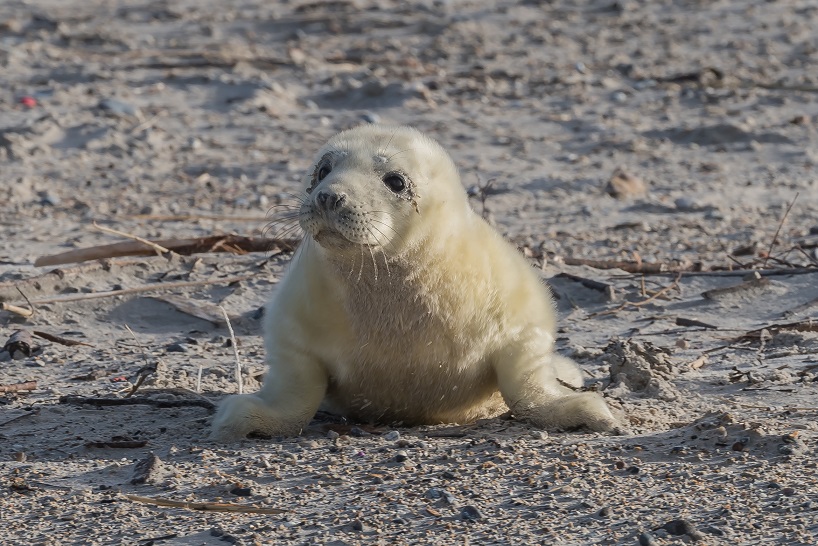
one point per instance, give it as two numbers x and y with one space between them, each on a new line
383 188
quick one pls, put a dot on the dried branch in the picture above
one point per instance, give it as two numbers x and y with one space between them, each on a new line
137 400
657 294
235 344
185 247
140 289
777 231
17 387
158 248
206 506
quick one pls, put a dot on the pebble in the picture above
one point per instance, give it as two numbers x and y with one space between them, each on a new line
436 493
623 185
471 513
619 96
646 539
118 107
357 525
177 348
332 435
49 199
401 456
539 434
370 117
241 491
358 432
679 527
392 436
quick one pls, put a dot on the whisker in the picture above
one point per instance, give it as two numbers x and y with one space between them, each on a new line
398 153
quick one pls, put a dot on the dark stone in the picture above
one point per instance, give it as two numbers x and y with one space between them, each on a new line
471 513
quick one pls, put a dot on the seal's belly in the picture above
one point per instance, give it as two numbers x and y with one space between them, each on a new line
413 382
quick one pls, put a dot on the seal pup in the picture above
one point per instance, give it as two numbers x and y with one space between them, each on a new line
403 306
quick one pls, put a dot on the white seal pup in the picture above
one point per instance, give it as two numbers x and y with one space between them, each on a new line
403 306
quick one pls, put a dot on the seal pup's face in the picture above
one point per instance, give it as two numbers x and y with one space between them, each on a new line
377 187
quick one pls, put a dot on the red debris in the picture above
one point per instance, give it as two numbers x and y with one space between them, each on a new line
28 102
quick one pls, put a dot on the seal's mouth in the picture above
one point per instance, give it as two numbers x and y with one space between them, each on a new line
329 238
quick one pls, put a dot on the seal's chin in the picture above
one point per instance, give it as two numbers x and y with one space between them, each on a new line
334 240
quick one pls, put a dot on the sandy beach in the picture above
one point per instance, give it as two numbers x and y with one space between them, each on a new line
657 162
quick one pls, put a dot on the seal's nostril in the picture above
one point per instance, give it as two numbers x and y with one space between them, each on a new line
330 201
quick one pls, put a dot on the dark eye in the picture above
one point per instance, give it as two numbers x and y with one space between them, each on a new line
324 171
394 182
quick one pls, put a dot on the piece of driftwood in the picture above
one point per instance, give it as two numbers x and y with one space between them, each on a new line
137 400
20 342
809 325
236 244
753 285
681 321
630 267
56 280
139 289
587 283
159 249
199 309
22 311
118 444
17 387
60 340
206 506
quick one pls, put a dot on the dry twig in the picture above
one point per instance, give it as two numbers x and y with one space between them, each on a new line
206 506
657 294
137 400
185 247
233 342
17 387
777 231
139 289
156 247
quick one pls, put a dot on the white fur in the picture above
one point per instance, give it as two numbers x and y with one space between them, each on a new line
406 308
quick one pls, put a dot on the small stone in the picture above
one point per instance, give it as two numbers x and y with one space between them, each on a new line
715 531
624 185
150 470
357 525
436 493
119 108
605 512
634 470
679 527
177 348
470 513
539 434
450 475
332 435
241 491
401 456
358 432
646 539
370 117
20 457
48 199
391 436
619 96
682 344
738 446
788 491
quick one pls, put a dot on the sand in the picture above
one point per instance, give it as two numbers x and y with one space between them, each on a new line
680 134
